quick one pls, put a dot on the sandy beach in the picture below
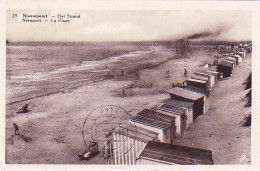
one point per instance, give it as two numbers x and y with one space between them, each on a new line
220 129
54 124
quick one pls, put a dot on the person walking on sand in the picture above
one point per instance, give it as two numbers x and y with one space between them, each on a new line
16 129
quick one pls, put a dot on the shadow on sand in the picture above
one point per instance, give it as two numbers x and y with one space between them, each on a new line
23 137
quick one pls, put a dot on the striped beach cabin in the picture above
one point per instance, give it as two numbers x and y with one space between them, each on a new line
128 142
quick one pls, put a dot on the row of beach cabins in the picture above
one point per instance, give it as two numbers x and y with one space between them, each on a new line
149 136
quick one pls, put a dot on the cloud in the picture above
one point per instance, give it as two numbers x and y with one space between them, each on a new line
137 26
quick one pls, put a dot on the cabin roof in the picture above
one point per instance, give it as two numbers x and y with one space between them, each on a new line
177 103
153 119
136 133
237 55
213 72
230 61
231 58
197 80
225 63
169 108
200 77
234 56
185 93
176 154
204 72
198 90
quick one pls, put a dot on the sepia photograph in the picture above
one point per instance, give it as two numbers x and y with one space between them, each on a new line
128 87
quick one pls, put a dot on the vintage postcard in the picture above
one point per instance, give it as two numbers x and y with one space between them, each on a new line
145 86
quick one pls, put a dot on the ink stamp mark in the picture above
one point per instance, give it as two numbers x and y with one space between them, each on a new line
107 125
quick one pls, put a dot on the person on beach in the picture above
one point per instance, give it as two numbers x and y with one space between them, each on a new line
185 72
16 129
123 72
24 109
167 72
123 92
215 62
108 73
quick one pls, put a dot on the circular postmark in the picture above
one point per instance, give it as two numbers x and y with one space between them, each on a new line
109 127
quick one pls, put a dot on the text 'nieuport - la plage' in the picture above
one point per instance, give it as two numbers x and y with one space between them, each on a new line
64 18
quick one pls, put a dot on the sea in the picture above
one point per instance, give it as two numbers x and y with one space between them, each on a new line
35 69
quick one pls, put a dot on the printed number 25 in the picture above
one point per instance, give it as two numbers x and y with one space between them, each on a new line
14 15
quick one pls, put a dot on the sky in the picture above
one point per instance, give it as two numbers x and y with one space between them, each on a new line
131 25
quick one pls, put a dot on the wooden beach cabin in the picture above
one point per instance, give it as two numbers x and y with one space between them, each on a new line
237 54
187 106
203 78
200 77
215 73
197 83
156 153
128 143
198 99
243 54
157 122
177 113
210 75
205 93
232 60
238 58
249 48
225 68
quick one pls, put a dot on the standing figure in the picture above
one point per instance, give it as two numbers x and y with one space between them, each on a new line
185 72
123 92
215 62
16 129
107 69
